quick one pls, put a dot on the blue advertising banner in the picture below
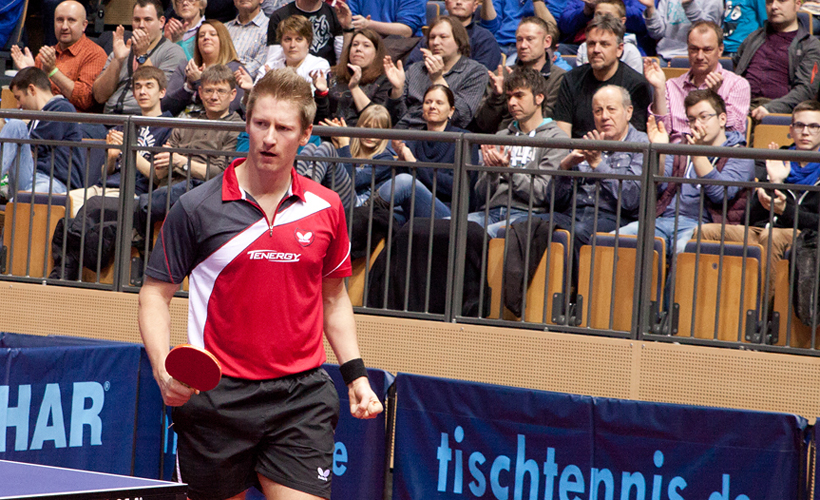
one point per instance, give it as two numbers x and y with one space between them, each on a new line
463 440
68 402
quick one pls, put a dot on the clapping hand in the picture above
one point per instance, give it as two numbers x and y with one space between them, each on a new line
495 156
319 80
22 58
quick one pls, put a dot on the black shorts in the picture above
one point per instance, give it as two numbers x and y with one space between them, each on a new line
281 428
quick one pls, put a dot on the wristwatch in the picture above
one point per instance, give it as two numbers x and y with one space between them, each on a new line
141 59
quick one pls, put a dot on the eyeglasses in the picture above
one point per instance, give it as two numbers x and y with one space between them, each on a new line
813 128
702 118
210 92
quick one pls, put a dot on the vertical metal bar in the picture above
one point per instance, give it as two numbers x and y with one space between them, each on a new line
457 251
125 219
644 246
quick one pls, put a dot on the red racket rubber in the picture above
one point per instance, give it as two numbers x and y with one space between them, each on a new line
194 367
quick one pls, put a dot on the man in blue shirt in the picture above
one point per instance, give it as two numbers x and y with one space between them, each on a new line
58 168
502 17
389 17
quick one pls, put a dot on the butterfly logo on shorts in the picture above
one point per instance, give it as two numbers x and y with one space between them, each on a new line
304 237
323 474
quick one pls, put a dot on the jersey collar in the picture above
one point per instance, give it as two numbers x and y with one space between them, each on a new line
232 192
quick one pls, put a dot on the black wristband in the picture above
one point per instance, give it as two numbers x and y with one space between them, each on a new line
348 30
352 370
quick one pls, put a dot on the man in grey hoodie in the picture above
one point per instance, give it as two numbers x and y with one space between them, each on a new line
526 91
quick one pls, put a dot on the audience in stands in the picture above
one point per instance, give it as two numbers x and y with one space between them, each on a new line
213 47
669 23
271 6
146 46
679 204
483 46
526 92
366 177
57 168
775 212
605 41
177 173
533 41
429 191
779 82
705 72
446 62
502 18
585 205
149 88
249 31
358 79
73 63
575 18
183 31
389 17
740 19
295 39
328 28
631 56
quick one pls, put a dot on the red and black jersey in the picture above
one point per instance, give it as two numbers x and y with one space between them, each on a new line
255 290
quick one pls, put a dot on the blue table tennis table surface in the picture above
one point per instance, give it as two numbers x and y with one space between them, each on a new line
21 480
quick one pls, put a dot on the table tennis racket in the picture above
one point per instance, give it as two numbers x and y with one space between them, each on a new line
194 367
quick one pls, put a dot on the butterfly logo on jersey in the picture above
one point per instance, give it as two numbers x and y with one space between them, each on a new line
304 236
323 474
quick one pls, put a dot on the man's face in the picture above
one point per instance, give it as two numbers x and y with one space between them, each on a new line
187 9
147 93
782 12
804 137
704 51
26 98
462 9
603 49
274 134
248 5
611 116
703 114
441 41
216 97
147 20
69 23
608 8
531 43
522 104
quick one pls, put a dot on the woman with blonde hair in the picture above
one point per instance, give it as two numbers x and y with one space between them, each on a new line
213 46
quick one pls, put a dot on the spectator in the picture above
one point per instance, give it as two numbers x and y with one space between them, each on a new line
10 14
359 79
146 46
533 42
787 206
669 24
706 113
573 109
779 83
177 173
631 56
587 203
502 18
706 72
740 19
365 176
526 92
58 168
483 46
149 88
578 13
249 32
296 37
414 194
73 63
447 62
389 17
213 47
183 32
271 6
328 37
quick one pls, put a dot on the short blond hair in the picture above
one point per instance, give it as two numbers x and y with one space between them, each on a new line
285 85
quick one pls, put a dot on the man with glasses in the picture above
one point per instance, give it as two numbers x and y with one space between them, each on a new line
676 221
705 46
779 208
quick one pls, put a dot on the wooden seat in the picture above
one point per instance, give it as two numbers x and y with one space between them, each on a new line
702 302
542 286
765 133
356 282
598 300
800 332
28 229
673 72
7 99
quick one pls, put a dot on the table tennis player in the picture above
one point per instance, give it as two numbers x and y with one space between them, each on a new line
266 252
